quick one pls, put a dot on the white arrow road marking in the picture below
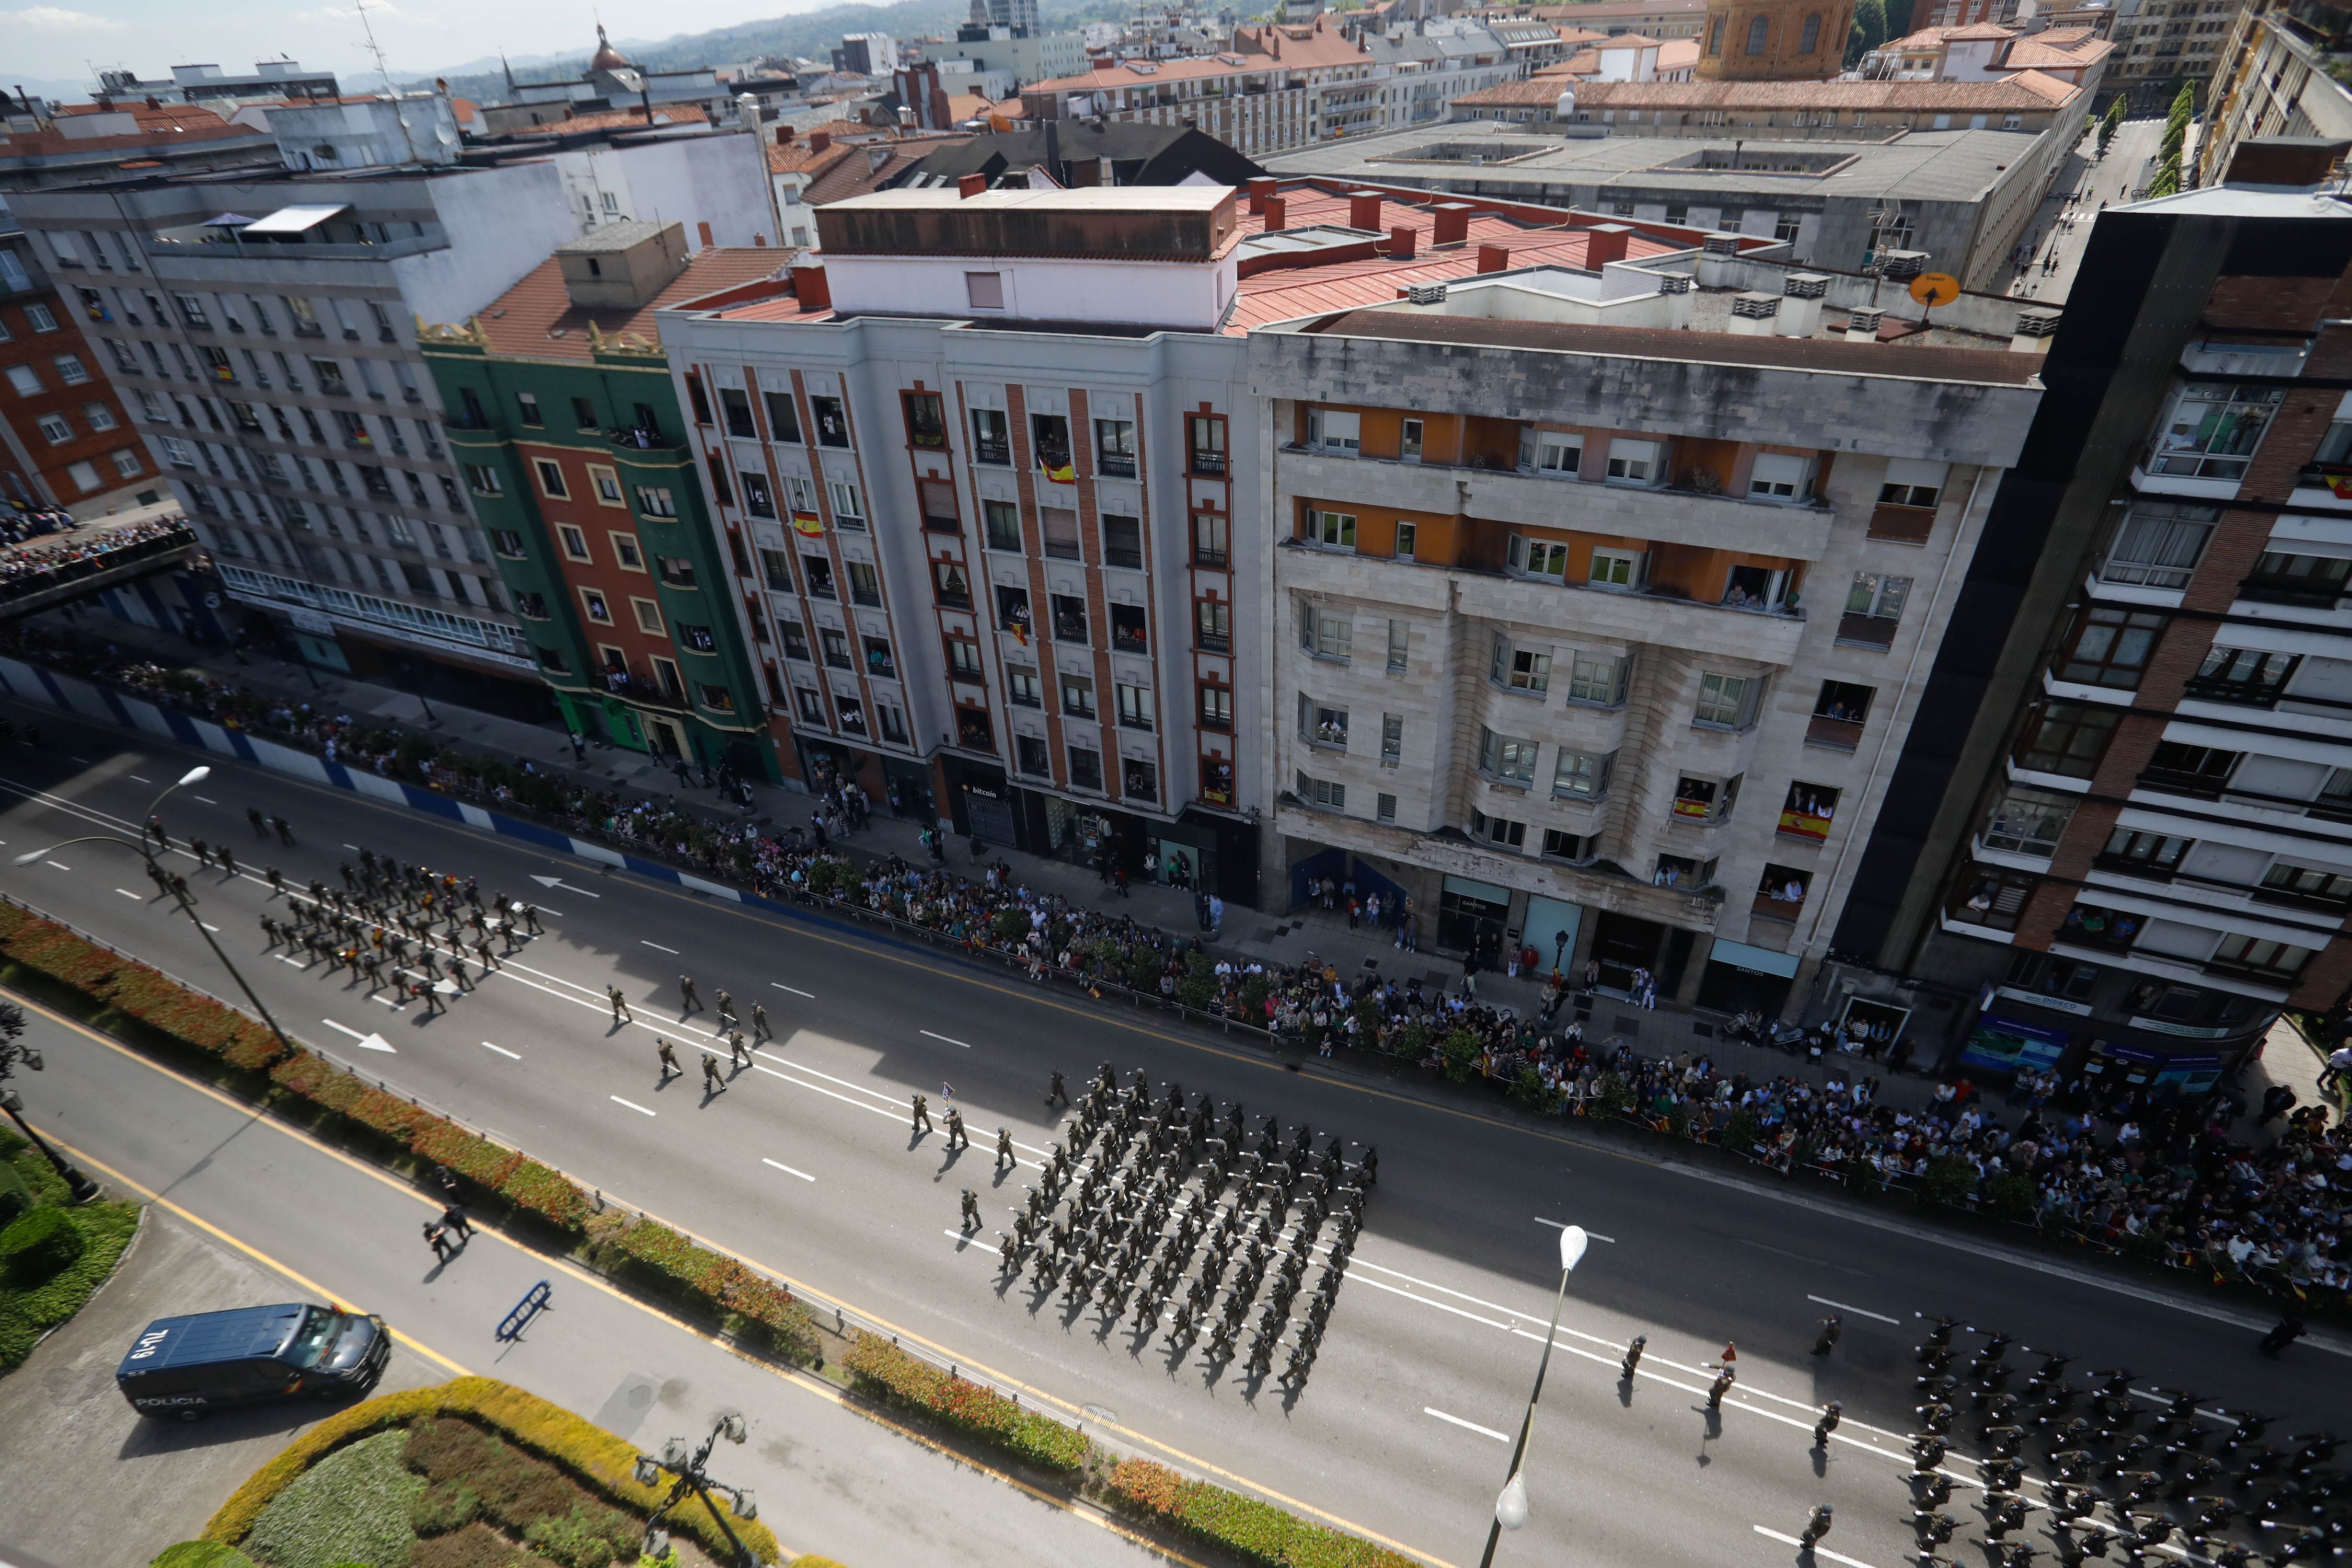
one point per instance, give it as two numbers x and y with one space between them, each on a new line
787 1170
502 1051
631 1104
1466 1425
953 1042
366 1042
560 882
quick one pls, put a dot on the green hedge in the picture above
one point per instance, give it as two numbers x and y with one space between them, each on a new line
37 1245
1256 1532
29 1312
201 1554
883 1370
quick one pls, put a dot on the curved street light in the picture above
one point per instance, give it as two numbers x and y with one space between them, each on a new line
1511 1505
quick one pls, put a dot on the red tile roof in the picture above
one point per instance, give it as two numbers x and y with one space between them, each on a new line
859 171
2021 90
537 319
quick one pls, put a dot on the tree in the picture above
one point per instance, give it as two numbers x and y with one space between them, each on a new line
1869 29
2168 176
2111 122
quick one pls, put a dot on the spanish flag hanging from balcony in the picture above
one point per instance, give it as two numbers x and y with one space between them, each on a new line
1066 474
807 522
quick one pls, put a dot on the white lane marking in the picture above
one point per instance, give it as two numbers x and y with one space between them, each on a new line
2223 1416
365 1042
131 895
207 800
208 925
560 882
1858 1312
61 864
633 1105
1401 1290
794 989
787 1170
515 1056
351 846
1818 1551
659 948
83 761
383 1001
1562 1225
953 1042
1466 1426
295 962
136 779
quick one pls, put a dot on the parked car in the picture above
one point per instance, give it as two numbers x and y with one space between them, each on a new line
210 1360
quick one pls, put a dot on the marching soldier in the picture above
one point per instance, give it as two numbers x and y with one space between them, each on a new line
1055 1090
686 993
759 1029
666 1054
1005 1149
970 1210
738 1053
711 1082
957 1137
922 1115
621 1012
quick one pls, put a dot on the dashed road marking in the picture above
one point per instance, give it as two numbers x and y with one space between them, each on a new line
632 1104
787 1170
1817 1550
514 1056
1466 1426
794 989
1858 1312
131 895
659 948
1562 1225
928 1034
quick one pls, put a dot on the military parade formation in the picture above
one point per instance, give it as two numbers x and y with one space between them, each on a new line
400 926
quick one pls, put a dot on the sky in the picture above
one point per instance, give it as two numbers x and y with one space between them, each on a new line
51 46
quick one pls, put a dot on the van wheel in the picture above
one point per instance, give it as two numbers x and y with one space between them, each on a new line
191 1415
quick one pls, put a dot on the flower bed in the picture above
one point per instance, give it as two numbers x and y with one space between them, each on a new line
1253 1531
883 1370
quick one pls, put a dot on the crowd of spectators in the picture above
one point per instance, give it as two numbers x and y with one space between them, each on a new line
2173 1179
26 566
26 523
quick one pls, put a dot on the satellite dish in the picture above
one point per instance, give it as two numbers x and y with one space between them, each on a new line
1933 288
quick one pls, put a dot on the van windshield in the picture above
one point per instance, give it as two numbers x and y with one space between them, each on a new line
315 1339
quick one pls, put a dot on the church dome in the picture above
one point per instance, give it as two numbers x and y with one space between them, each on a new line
607 58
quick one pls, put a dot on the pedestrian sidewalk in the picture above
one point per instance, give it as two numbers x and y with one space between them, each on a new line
830 1477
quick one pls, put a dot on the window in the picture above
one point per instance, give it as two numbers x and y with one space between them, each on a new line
1703 799
329 376
1519 669
1559 454
1332 529
1632 462
1990 896
1085 768
2213 430
1497 830
574 543
192 311
2276 960
1809 36
836 644
1059 526
54 426
1399 646
812 707
1114 447
1212 536
39 315
2158 545
1069 614
1213 625
2066 737
2193 770
1572 847
1409 440
1392 737
984 290
927 422
1581 775
2297 579
832 421
71 371
1877 597
655 502
591 601
1320 724
1615 569
696 638
1013 613
879 662
677 570
2242 674
1324 634
1021 687
1127 629
527 409
1216 707
819 572
1029 754
2027 821
1049 436
1537 557
1777 476
1598 678
1407 539
1135 710
1204 440
992 437
1333 430
84 476
26 380
952 588
2301 884
1323 793
848 508
1760 32
1001 522
2154 855
551 479
1509 759
648 616
1138 779
1785 226
1122 541
1726 702
2110 646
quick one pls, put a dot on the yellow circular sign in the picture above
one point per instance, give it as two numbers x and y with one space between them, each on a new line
1933 288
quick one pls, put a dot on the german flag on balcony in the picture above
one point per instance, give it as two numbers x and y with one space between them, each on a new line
807 522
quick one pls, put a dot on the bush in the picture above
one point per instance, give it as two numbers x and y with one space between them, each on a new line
1528 1088
1255 1531
1461 1052
1614 1094
29 1312
548 1194
2011 1196
1949 1180
16 1197
584 1538
1740 1132
353 1506
885 1371
37 1245
201 1554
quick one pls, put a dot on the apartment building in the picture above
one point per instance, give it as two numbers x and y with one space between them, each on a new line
1654 18
67 143
1592 622
260 325
564 423
63 441
2162 44
1428 65
1276 86
2132 833
2276 75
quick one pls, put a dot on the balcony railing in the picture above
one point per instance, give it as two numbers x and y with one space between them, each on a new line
1837 734
1902 524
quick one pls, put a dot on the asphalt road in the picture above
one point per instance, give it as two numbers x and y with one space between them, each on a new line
806 1164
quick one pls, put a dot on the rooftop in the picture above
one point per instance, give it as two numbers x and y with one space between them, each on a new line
612 239
2025 91
537 319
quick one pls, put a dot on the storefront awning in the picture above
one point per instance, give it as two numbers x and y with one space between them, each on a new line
226 220
299 219
1762 960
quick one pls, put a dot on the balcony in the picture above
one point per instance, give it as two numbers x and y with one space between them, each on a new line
1867 631
1833 734
638 690
1902 524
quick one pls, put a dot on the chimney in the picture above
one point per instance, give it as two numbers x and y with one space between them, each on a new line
1364 209
1753 314
1401 239
1261 187
1861 325
1605 243
1902 266
1493 257
1277 215
2034 330
1801 294
819 141
809 286
969 185
1453 223
2284 161
784 135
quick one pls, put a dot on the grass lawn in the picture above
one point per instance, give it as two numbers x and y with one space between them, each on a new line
350 1506
26 1312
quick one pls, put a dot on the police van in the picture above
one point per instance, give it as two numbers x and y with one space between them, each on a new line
210 1360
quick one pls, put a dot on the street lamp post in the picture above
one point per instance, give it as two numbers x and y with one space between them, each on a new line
694 1479
164 879
80 1189
1511 1505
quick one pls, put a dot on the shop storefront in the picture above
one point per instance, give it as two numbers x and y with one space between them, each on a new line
1740 979
1998 1043
1623 946
2118 1065
1472 916
1550 927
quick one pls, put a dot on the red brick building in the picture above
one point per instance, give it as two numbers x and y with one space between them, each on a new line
65 439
